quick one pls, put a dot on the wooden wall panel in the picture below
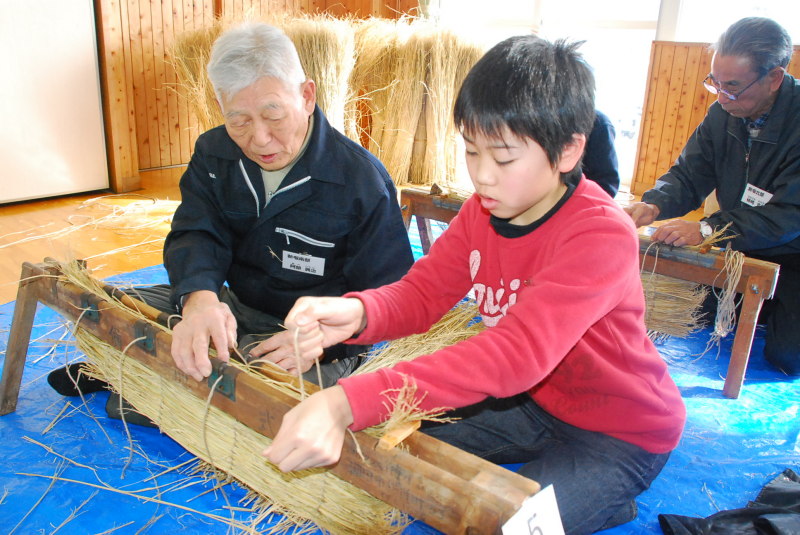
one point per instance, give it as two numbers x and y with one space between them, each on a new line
148 123
116 73
675 102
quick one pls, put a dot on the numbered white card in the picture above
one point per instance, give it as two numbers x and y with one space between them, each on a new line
538 516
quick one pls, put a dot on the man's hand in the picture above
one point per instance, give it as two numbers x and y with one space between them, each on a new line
642 213
679 232
205 320
312 433
280 349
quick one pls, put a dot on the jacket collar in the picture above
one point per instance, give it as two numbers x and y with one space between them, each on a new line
778 115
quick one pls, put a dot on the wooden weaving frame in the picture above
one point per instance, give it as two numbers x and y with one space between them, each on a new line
437 483
757 282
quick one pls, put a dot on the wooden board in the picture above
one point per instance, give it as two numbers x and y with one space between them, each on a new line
148 124
674 104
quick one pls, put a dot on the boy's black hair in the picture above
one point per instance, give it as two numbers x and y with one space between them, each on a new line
763 41
538 89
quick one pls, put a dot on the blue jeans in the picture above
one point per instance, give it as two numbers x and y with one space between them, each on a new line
595 477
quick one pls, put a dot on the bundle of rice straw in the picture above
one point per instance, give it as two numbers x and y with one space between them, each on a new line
306 498
407 74
377 43
189 56
450 59
324 44
326 47
672 306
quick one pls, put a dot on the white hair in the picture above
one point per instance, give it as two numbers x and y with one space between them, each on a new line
250 51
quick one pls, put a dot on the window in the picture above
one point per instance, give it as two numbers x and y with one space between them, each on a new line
618 37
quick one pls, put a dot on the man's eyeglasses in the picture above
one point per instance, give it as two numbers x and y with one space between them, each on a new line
715 89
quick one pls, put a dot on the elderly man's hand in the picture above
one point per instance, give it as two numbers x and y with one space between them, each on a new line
205 320
288 350
642 213
679 233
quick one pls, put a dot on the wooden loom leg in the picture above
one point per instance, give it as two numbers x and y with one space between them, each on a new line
425 233
18 338
742 342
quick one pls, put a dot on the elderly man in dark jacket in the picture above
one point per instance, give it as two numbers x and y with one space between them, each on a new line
748 149
275 204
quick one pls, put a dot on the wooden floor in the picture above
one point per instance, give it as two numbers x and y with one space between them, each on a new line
113 233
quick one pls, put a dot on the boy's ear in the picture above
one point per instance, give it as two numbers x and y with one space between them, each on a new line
571 153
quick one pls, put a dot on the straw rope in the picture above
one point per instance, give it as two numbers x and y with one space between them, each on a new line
303 498
315 495
725 320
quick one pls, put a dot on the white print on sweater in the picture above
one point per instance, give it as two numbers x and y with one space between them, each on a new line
492 303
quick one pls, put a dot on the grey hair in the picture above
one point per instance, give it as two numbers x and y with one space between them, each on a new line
250 51
761 40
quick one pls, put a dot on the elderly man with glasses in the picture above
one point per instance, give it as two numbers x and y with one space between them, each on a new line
747 149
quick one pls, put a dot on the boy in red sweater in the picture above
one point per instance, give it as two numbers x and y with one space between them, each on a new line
564 379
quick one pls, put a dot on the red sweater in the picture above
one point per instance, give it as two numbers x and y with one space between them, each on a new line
565 311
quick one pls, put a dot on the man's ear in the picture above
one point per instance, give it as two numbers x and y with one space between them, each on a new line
571 153
309 93
776 78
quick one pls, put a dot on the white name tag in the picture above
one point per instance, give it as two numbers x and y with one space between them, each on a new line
754 196
538 516
313 265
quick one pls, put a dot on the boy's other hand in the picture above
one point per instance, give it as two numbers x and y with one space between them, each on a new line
312 433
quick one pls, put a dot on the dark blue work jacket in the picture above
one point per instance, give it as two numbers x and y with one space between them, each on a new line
334 224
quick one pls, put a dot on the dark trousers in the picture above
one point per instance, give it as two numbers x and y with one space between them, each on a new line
780 315
254 326
595 477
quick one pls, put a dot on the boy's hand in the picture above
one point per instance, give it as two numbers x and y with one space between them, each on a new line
320 322
642 213
205 320
312 433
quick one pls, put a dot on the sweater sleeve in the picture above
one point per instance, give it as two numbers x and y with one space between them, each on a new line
550 318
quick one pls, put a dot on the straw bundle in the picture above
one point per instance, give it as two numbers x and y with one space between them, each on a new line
450 59
389 84
377 42
672 306
326 47
303 497
189 55
408 73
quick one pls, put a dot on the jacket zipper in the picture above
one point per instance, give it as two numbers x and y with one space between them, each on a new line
302 237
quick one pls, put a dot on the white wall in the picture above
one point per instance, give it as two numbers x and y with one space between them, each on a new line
51 123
